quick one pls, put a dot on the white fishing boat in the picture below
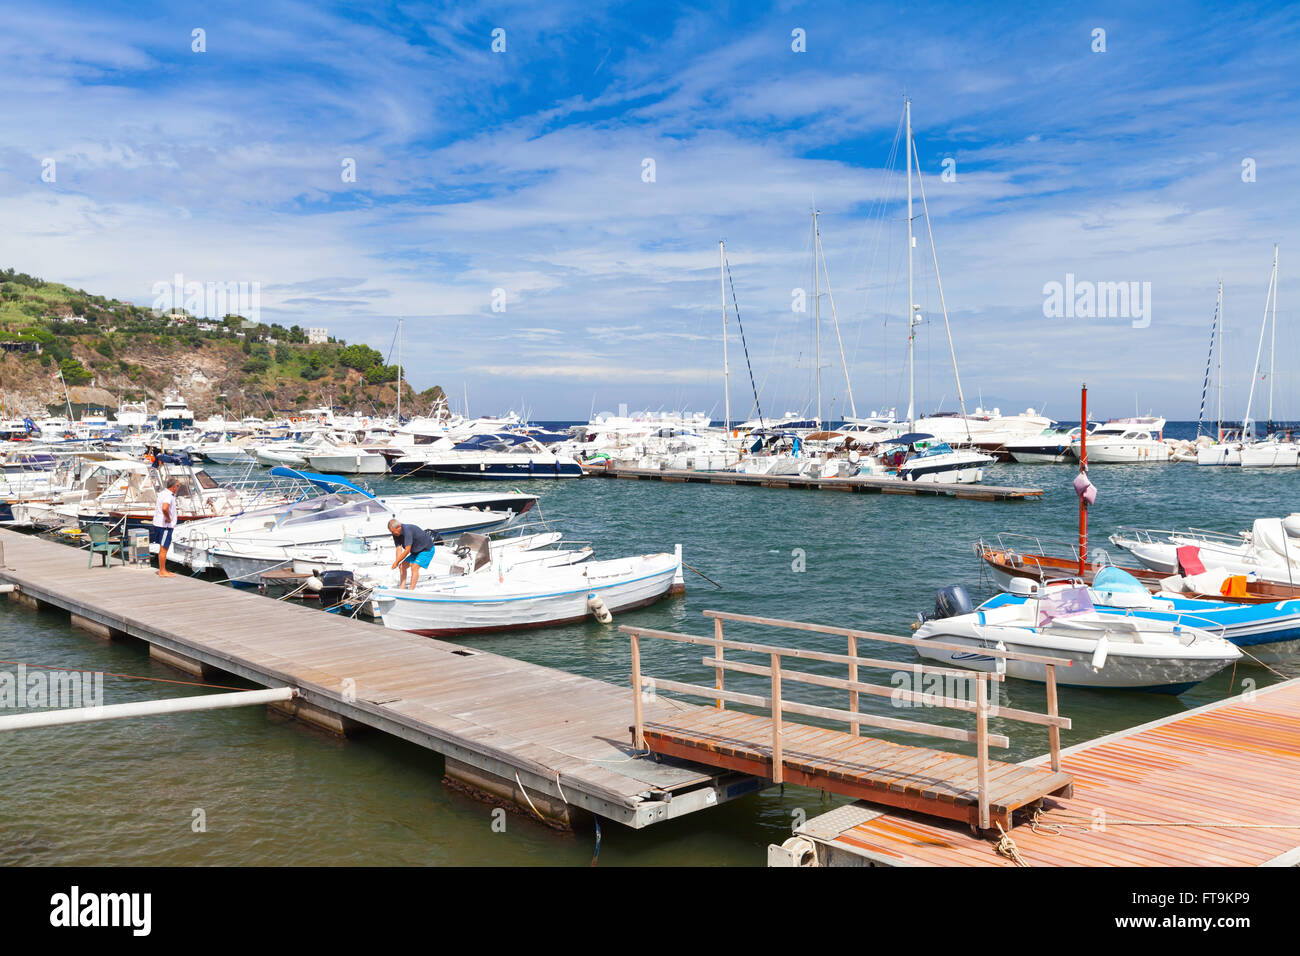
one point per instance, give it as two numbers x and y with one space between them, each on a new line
1106 650
527 597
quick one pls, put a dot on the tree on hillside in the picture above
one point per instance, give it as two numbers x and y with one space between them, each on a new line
74 373
360 357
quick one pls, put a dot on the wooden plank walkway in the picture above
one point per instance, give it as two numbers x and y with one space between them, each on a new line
560 738
1216 786
932 782
886 486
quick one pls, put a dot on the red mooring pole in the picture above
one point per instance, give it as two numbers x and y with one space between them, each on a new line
1083 470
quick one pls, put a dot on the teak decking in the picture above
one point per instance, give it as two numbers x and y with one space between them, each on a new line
1216 786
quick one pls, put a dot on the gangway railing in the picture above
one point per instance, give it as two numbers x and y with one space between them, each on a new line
778 703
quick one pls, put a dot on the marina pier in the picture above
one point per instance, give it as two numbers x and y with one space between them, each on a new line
547 742
860 485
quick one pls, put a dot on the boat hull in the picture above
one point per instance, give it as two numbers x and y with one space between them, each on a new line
476 609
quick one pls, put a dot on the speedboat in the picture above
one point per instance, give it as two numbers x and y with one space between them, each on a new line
248 545
1115 591
500 456
526 597
1106 650
1051 446
921 457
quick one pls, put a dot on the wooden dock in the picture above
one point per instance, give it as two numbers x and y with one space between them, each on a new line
861 485
1215 786
550 742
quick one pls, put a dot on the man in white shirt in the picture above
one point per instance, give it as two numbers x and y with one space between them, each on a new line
164 522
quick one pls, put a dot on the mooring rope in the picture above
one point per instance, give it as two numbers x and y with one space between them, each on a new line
1007 847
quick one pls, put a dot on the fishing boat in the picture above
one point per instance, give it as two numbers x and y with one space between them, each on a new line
530 597
1009 556
1106 650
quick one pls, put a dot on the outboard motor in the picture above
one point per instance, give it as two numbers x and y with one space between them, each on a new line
335 586
948 602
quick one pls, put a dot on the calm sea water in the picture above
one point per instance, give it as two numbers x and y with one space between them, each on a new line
272 791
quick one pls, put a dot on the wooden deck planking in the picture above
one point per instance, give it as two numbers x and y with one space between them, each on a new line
535 721
1234 761
920 778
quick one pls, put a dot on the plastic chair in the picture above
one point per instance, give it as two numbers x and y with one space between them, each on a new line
101 543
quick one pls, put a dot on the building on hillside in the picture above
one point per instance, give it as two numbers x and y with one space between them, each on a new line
318 336
21 347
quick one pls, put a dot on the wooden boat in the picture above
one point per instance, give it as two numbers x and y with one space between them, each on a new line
1026 557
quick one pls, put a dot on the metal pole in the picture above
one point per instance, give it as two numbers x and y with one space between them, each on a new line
146 708
1083 470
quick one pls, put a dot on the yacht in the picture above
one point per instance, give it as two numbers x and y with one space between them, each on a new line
1123 441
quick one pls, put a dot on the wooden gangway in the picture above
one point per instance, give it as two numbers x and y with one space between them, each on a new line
545 740
972 789
861 485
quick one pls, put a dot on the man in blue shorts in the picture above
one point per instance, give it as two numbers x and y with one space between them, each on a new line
414 550
164 523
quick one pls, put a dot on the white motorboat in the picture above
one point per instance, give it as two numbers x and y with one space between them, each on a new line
254 542
344 460
526 597
1050 446
1126 441
1106 650
920 457
1270 550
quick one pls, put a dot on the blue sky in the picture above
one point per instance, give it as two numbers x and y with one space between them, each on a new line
523 171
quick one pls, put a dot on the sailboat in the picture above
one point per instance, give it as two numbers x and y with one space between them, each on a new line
927 457
1272 451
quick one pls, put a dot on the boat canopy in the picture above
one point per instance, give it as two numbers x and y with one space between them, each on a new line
910 438
320 481
497 441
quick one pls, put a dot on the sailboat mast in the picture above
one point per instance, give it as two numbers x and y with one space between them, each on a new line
726 369
911 305
399 371
1272 345
817 311
1220 351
